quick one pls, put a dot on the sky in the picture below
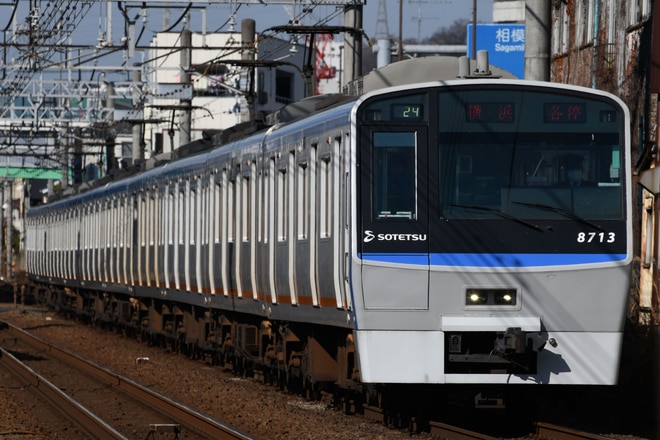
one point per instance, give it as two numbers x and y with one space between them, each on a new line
420 18
435 14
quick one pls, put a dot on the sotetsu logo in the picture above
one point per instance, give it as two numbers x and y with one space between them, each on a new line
370 236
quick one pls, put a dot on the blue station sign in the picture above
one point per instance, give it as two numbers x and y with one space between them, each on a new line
505 44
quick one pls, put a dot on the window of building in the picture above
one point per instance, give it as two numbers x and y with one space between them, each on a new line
283 87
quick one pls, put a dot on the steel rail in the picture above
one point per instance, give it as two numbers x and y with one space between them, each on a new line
456 433
177 411
442 430
556 432
75 412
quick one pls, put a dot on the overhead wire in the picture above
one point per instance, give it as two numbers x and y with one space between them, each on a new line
11 16
60 17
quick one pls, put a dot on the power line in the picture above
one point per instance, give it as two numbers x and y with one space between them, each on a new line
421 16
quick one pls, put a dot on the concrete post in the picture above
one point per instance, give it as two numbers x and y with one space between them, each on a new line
537 40
186 104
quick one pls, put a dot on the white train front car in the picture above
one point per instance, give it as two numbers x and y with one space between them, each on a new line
491 233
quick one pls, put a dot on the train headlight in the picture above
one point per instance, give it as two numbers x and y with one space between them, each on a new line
476 297
491 297
505 297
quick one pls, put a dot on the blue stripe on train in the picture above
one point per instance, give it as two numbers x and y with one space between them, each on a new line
494 260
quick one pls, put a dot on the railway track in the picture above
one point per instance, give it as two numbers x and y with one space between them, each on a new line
75 412
555 432
88 386
436 430
544 431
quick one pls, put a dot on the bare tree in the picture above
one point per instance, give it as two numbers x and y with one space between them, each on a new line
456 33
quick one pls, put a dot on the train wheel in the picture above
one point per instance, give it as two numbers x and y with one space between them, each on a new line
281 379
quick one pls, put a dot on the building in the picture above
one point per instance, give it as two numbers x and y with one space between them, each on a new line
228 82
611 45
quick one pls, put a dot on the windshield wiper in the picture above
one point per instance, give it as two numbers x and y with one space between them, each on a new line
560 211
501 214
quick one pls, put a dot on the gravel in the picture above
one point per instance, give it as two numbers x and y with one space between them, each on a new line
263 412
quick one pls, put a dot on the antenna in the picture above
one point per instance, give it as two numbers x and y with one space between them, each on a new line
419 17
381 22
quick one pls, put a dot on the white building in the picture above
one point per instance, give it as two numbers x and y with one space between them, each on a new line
222 84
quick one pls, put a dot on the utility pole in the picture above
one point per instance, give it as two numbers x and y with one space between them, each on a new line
10 226
186 103
353 42
136 153
399 51
64 158
248 27
474 29
538 21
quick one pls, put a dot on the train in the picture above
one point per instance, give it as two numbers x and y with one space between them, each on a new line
462 232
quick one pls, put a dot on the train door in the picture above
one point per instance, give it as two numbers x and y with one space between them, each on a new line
223 234
283 257
269 227
329 223
123 243
167 215
246 229
113 238
188 232
305 226
251 226
394 216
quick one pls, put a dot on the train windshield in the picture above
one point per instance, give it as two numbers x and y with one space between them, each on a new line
524 154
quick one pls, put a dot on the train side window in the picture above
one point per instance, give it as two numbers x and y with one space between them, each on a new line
180 215
121 226
302 201
193 216
395 171
253 200
231 196
206 203
151 219
325 189
138 230
246 205
116 227
159 220
168 214
217 214
281 205
291 184
130 212
312 189
198 213
270 197
259 191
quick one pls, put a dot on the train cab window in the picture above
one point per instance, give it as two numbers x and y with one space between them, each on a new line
394 165
527 155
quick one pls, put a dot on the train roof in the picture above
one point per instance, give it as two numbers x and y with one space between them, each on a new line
302 115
